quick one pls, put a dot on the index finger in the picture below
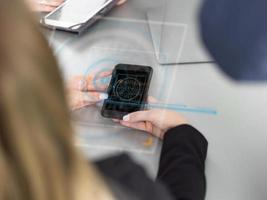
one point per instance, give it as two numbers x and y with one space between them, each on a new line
105 74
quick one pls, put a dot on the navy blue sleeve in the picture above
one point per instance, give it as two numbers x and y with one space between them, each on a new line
235 34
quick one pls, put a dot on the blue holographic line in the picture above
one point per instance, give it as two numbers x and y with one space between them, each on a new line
176 107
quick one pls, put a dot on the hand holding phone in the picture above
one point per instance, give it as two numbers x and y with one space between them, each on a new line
156 121
127 91
78 15
85 91
44 5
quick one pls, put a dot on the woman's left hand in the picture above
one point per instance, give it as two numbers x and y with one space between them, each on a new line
44 5
86 91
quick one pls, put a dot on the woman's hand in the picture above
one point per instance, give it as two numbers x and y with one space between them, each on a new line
44 5
155 121
86 91
120 2
50 5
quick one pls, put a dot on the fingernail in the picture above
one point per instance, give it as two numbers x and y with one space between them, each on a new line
103 96
82 84
126 118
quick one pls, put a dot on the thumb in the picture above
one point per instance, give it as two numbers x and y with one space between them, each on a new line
139 116
78 99
93 97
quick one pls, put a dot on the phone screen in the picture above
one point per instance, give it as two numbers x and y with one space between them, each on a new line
127 90
77 11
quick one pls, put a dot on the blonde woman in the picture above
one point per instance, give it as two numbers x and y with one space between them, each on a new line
38 160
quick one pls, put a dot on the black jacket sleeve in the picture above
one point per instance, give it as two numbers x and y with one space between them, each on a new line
182 163
128 180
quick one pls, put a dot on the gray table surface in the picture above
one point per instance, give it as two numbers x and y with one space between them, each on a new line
236 166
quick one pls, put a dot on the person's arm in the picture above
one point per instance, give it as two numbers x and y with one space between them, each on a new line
182 163
183 153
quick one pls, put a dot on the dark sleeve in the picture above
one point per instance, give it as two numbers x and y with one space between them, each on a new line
235 36
131 179
182 163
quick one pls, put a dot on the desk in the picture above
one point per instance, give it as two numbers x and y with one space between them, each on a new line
236 165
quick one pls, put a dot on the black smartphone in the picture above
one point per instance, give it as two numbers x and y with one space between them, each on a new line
127 91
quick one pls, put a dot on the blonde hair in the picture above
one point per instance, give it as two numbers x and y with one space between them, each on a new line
38 160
